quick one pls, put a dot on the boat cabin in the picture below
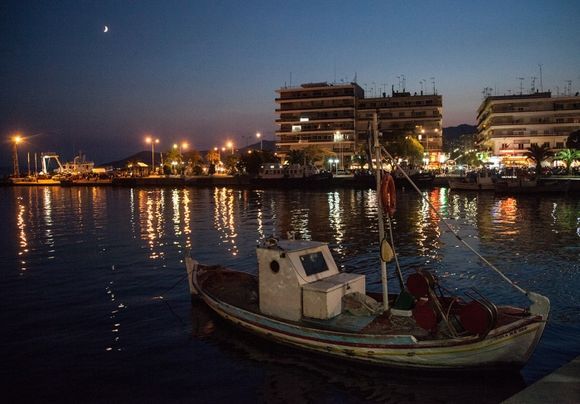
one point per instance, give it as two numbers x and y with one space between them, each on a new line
299 278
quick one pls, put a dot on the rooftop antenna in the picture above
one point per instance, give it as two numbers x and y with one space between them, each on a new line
399 78
521 79
354 79
374 89
569 88
541 84
421 84
533 89
404 82
290 79
384 88
433 82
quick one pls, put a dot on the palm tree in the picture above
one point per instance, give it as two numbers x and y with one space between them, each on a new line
296 157
568 156
538 154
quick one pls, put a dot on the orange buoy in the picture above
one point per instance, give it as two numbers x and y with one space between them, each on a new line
388 194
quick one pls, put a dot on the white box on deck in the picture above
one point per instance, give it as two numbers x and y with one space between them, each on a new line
323 299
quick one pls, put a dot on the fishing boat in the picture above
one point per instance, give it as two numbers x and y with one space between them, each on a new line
525 185
476 181
301 299
291 176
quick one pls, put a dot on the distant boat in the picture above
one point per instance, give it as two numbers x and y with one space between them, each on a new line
530 186
79 166
35 180
291 176
477 181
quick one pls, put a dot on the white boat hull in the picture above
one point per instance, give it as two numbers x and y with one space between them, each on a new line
507 346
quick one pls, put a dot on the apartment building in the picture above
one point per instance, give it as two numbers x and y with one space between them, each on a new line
318 114
507 125
404 114
338 118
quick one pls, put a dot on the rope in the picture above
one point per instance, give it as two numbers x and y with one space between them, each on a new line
160 297
508 280
399 272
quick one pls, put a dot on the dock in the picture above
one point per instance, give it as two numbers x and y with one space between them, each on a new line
560 386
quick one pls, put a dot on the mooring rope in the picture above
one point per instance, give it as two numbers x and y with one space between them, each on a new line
500 273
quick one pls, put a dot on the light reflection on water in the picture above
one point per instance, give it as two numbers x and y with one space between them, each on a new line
96 257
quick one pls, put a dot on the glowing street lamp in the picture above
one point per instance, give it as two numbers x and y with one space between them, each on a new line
182 146
150 140
259 136
16 139
230 145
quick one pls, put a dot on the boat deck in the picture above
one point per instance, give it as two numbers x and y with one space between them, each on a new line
241 290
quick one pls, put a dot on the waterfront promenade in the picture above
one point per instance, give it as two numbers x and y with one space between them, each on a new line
561 386
347 181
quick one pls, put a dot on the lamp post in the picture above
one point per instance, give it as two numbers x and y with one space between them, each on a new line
150 140
230 145
16 139
259 136
338 137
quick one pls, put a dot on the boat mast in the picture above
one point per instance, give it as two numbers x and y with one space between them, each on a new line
379 161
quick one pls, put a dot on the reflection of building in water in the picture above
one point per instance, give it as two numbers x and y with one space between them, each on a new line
426 224
47 215
23 239
335 215
224 219
152 204
186 202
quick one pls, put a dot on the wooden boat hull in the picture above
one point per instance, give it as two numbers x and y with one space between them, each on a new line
458 184
509 346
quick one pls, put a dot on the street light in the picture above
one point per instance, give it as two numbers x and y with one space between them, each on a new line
150 140
259 136
230 145
182 146
16 139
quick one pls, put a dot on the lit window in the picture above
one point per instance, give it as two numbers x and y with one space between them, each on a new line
303 119
296 128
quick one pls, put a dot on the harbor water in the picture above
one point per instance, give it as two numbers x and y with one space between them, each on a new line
95 306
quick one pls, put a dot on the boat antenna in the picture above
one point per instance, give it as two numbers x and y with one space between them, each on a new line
508 280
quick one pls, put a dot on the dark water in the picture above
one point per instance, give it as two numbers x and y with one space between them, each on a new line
83 269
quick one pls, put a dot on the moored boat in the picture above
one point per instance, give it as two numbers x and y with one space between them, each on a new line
301 299
477 181
531 186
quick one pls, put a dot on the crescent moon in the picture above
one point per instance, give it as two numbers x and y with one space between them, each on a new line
106 29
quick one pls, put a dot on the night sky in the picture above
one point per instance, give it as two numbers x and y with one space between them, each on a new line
207 71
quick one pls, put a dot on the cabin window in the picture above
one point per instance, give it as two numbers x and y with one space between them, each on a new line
313 263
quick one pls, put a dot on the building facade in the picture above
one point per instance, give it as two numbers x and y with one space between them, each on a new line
404 114
338 118
317 114
508 125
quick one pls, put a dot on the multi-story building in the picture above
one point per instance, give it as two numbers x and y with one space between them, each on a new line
338 118
405 114
507 125
318 114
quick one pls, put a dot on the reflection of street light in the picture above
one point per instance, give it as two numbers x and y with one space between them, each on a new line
259 136
148 140
16 139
